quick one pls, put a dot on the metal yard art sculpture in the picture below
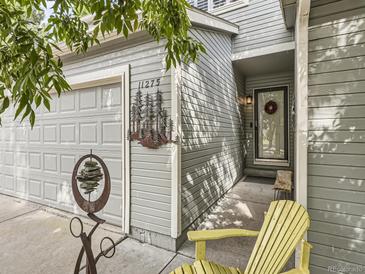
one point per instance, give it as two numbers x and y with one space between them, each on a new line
89 180
150 124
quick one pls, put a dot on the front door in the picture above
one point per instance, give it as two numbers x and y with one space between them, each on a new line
271 125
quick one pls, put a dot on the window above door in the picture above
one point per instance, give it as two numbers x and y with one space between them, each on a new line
218 6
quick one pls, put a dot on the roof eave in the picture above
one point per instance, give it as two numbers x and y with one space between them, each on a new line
197 17
206 20
289 10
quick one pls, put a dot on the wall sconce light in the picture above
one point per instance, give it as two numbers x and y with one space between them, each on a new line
248 100
241 100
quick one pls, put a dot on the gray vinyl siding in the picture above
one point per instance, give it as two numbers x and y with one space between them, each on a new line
261 24
211 126
150 168
262 81
336 152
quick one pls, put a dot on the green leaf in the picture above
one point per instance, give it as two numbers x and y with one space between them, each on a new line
46 104
22 104
26 112
32 119
38 100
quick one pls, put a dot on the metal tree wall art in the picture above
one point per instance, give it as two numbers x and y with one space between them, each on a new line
88 180
150 124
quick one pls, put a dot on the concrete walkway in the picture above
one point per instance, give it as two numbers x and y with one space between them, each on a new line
36 239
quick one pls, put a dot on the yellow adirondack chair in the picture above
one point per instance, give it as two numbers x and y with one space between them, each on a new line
283 229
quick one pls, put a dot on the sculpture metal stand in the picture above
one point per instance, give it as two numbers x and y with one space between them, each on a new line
89 178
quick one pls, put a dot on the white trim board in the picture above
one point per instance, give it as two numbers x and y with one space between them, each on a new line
127 154
109 76
176 153
209 21
263 51
301 106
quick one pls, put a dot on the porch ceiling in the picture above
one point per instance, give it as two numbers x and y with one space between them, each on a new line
264 64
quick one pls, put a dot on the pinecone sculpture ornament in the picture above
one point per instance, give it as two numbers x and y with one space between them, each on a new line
90 176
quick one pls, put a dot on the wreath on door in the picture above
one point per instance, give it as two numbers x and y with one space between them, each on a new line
271 107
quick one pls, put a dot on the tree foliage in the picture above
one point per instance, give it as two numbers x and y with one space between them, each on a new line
29 70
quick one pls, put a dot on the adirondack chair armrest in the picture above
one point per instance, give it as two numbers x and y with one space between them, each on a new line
217 234
304 260
200 238
305 254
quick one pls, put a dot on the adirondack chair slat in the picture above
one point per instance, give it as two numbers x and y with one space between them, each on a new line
233 270
260 238
284 248
207 267
215 268
199 267
284 226
277 232
302 226
187 269
290 242
179 270
280 242
271 224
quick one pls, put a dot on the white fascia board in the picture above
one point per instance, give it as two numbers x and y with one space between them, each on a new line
206 20
263 51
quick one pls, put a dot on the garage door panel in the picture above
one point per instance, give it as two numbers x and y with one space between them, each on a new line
50 134
38 164
67 163
35 135
88 100
50 191
111 97
68 133
88 133
21 185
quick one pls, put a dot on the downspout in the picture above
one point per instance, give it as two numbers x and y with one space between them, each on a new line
301 106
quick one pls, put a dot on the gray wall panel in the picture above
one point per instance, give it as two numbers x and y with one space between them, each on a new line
151 190
336 153
260 24
211 125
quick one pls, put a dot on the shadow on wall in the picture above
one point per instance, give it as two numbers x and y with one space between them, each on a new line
336 152
212 157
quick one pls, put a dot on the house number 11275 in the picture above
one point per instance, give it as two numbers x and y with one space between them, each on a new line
149 83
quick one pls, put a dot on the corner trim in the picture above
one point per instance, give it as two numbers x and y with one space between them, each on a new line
301 84
301 106
126 154
176 152
263 51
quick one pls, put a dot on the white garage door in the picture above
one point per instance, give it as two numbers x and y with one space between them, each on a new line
37 164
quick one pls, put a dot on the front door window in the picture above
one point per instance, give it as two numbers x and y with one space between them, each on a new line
271 124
